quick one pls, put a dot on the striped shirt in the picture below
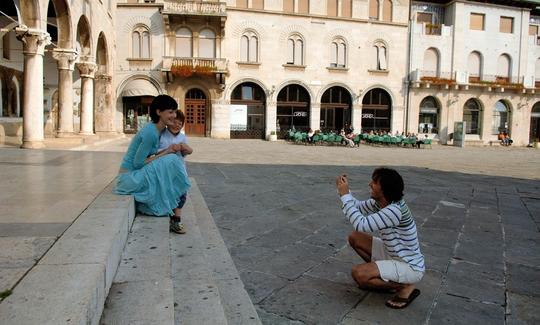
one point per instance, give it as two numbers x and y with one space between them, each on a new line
395 224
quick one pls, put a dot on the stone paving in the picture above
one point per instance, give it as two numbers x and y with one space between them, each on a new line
477 210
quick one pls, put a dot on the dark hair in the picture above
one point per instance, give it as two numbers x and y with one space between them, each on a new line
180 116
391 183
162 103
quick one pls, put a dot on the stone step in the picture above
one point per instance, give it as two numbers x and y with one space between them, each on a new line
235 300
142 288
70 283
197 298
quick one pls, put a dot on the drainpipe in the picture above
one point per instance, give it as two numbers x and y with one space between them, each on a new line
409 61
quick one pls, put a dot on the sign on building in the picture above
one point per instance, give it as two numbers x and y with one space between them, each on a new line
459 134
238 117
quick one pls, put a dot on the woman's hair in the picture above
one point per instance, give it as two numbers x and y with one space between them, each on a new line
391 183
162 103
180 116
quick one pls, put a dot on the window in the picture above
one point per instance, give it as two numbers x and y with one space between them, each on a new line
429 116
387 10
6 46
477 21
474 66
537 73
207 43
295 50
506 25
249 47
533 30
140 43
431 63
346 8
500 118
257 4
241 3
471 117
338 51
332 8
374 9
503 68
424 17
299 6
380 52
184 41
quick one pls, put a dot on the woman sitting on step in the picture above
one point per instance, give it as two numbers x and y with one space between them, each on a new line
156 180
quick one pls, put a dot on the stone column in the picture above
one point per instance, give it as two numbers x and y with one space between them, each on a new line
34 42
271 116
66 63
87 70
104 112
357 117
315 116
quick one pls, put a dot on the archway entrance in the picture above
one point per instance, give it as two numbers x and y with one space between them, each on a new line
195 104
335 109
292 109
248 111
534 134
376 110
137 96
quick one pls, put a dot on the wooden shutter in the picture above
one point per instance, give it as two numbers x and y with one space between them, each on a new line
346 8
424 17
257 4
387 10
303 6
288 5
477 21
533 30
241 3
506 25
331 8
374 9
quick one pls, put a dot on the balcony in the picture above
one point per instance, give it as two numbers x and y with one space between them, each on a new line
426 79
194 8
187 67
432 29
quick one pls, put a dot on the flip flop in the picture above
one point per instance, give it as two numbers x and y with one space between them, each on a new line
406 301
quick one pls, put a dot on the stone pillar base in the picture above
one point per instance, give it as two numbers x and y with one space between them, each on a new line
33 145
65 134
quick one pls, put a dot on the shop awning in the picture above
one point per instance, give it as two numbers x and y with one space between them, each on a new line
139 87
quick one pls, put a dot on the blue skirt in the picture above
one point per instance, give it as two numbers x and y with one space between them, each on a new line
157 187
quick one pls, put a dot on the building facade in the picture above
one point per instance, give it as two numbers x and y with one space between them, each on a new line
478 63
249 68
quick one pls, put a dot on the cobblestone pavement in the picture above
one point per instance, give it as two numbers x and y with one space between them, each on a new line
477 211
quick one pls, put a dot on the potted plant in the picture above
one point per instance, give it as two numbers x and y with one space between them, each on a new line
272 136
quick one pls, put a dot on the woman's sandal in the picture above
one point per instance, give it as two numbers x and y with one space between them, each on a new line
400 303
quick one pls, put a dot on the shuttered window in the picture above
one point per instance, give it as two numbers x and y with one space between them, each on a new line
506 25
533 30
346 8
241 3
431 63
244 49
477 21
503 66
387 10
331 8
257 4
374 9
303 6
288 5
424 17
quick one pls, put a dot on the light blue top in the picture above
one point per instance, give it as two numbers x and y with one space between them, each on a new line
144 144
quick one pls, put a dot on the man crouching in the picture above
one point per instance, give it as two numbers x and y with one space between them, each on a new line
393 261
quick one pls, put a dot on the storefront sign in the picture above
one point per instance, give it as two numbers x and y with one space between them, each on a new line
459 134
367 116
238 117
300 114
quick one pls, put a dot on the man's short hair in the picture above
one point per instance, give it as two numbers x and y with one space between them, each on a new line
391 183
161 103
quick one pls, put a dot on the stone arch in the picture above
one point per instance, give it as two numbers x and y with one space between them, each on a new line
63 22
232 86
30 13
293 29
244 26
84 36
102 55
290 82
335 84
390 92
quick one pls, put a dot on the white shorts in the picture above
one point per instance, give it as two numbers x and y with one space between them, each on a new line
391 269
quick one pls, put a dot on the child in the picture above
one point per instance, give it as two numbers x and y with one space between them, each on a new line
173 136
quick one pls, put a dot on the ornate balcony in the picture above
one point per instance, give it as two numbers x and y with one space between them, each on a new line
194 8
186 67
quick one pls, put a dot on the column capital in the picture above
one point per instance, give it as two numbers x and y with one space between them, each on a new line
87 69
66 58
34 40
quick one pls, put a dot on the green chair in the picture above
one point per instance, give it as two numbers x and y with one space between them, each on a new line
338 139
357 139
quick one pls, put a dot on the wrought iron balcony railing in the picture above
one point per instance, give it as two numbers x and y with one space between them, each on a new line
213 65
195 8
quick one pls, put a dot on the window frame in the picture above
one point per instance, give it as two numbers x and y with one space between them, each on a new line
478 15
378 45
511 24
176 40
140 30
250 35
295 38
335 53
